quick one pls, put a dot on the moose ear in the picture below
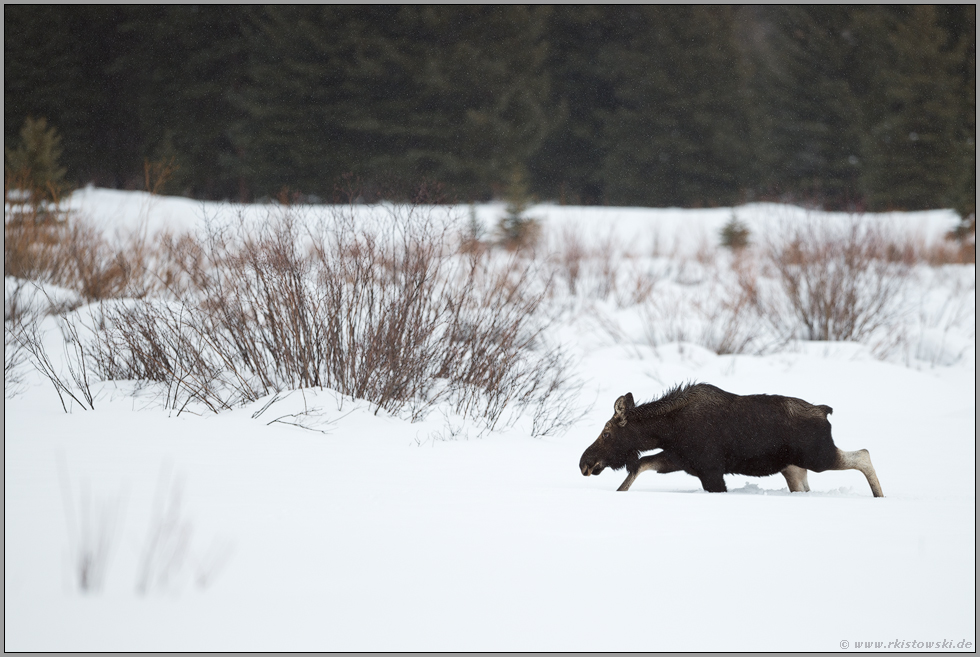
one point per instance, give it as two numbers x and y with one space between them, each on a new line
622 405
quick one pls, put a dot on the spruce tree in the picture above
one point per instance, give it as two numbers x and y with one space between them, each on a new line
676 136
964 17
913 143
188 60
56 65
567 167
804 113
35 161
452 94
295 99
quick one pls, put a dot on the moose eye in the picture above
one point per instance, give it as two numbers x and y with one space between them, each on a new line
605 434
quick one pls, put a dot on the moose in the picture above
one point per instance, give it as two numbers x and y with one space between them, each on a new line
708 433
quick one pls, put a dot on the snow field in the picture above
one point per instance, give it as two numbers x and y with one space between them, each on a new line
381 534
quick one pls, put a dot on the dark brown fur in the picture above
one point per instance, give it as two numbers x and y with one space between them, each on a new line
708 433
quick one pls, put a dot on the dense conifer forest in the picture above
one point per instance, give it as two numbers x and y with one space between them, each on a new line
842 107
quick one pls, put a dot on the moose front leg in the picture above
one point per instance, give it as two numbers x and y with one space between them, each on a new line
713 481
658 463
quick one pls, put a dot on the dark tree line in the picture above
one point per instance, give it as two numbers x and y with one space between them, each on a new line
846 107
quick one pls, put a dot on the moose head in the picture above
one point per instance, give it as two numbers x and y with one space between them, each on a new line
612 449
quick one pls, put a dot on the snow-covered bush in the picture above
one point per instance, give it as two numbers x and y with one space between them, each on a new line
384 310
834 282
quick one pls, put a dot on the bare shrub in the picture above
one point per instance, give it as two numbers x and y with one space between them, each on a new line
664 320
25 306
474 234
46 243
383 294
597 271
15 355
382 309
706 253
554 397
518 232
30 337
77 353
70 252
180 264
606 258
496 355
730 323
834 282
310 418
637 285
100 269
719 320
34 222
33 245
690 270
945 330
167 343
720 313
734 325
951 251
568 258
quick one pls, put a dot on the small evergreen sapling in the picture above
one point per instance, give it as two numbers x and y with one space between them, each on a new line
734 234
33 164
517 230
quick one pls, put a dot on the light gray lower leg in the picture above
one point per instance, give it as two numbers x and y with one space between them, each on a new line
796 479
658 463
859 460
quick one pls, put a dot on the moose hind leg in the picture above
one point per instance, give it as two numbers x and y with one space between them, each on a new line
658 463
859 460
796 479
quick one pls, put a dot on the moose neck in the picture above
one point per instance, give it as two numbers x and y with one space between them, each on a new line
645 433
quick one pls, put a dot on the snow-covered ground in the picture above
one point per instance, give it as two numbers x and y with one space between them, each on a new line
243 531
